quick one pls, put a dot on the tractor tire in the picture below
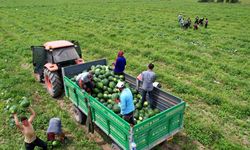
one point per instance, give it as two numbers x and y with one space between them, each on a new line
53 83
79 116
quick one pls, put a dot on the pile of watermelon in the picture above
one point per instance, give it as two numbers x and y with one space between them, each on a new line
105 91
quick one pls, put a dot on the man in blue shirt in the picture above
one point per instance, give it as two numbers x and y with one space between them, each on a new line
120 63
126 103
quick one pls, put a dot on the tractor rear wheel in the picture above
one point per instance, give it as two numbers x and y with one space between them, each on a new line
53 83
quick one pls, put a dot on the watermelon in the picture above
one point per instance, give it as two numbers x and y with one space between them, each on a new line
96 90
102 100
110 106
127 85
136 115
97 71
151 113
110 90
100 85
145 104
115 96
121 77
105 92
138 106
112 85
138 96
55 143
25 103
110 101
110 78
102 72
105 96
13 109
100 95
105 82
116 108
156 111
133 91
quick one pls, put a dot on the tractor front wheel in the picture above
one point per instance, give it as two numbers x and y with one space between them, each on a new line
53 83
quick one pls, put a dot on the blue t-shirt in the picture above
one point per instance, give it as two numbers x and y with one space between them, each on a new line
120 65
126 102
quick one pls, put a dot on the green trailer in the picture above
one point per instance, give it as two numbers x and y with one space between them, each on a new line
146 134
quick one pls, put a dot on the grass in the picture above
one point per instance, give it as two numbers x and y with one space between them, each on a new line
208 68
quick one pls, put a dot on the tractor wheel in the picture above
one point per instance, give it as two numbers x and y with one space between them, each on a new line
79 116
53 83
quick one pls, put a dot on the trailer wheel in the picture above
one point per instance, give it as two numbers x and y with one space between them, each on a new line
79 116
53 83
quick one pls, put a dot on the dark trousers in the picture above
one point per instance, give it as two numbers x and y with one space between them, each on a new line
144 94
38 142
129 118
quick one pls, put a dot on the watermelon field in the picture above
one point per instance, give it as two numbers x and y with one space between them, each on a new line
208 68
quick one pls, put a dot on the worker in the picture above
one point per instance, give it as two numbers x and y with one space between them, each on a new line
206 23
30 138
201 21
195 26
85 81
54 132
126 103
148 78
180 19
196 20
120 63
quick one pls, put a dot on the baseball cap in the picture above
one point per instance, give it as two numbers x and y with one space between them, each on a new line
120 84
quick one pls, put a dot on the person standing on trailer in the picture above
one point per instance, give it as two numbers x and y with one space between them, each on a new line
126 103
148 78
120 63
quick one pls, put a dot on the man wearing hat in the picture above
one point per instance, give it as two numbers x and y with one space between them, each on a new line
85 81
126 103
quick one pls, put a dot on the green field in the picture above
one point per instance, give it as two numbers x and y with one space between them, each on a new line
208 68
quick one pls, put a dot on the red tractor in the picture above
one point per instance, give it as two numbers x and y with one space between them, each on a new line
49 59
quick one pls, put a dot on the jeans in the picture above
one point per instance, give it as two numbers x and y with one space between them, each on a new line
38 142
151 102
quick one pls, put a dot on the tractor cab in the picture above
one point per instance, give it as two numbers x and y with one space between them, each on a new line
50 58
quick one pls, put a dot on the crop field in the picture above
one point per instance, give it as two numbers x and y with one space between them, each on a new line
208 68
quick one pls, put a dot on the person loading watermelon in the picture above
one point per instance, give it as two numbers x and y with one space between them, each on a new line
148 77
84 80
120 63
126 103
30 138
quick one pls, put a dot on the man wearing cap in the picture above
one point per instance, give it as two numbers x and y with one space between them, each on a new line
126 103
85 81
148 78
